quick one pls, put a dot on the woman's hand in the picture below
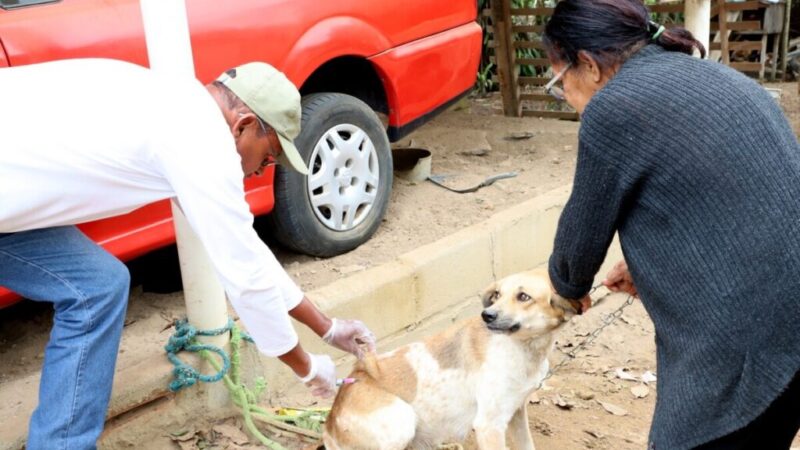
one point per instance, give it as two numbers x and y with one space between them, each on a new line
585 302
619 280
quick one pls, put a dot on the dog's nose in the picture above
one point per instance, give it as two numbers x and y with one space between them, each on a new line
489 316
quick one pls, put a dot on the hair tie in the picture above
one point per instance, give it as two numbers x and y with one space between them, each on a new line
659 30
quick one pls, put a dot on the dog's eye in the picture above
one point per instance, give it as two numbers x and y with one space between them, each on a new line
496 294
523 297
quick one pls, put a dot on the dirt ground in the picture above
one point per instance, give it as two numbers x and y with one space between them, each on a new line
596 401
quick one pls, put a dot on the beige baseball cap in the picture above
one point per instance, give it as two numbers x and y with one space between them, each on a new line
274 99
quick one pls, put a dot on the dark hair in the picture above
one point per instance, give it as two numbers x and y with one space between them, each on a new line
610 31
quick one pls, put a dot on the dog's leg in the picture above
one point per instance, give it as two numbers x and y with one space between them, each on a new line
519 431
328 442
490 438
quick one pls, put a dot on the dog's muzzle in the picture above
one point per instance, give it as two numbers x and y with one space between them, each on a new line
502 325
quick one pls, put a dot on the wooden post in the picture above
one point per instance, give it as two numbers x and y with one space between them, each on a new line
505 56
763 57
773 25
787 15
698 19
723 33
169 50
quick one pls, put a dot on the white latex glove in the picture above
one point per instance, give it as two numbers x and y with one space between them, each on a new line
349 335
321 379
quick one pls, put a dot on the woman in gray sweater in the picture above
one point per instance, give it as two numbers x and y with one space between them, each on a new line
697 169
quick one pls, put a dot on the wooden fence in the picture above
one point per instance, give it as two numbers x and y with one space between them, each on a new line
753 35
522 66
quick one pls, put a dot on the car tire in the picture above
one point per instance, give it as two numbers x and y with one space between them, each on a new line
345 146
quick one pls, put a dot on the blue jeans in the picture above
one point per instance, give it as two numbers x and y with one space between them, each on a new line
89 291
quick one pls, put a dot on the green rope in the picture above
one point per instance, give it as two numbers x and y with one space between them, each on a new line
184 339
243 397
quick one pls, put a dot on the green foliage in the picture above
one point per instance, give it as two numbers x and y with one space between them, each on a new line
485 82
533 3
487 69
527 70
664 18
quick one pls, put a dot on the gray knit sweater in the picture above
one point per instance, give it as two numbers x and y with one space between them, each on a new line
697 169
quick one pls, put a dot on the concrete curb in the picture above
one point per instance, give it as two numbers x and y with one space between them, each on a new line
424 281
393 299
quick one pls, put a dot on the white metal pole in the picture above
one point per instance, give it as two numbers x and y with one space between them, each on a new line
698 20
169 50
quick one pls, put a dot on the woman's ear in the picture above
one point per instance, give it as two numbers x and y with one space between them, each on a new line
591 66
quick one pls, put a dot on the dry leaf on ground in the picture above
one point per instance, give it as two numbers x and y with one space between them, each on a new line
182 435
233 433
621 373
613 409
640 391
595 434
562 403
518 136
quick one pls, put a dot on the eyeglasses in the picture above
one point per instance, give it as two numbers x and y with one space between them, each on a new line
270 160
557 91
262 125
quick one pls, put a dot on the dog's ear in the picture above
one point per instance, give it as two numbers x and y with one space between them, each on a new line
489 295
569 306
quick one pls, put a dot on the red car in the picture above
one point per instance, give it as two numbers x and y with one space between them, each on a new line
351 59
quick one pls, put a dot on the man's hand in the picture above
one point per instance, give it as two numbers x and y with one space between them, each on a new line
316 371
619 279
349 335
321 378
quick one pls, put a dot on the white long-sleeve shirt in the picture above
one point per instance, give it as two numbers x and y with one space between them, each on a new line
82 140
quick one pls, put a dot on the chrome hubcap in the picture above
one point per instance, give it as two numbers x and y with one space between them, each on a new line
344 177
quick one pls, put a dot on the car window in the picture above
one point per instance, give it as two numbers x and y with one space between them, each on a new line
11 4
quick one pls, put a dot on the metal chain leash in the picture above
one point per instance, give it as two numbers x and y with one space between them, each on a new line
607 320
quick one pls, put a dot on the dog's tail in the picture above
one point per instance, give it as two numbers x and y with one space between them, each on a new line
369 364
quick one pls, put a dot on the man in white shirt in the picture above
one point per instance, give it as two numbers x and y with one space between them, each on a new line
87 139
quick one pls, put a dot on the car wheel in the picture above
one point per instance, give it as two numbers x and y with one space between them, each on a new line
341 202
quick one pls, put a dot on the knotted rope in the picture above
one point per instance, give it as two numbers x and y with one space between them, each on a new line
184 339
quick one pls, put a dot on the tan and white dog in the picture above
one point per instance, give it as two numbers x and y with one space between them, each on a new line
476 375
